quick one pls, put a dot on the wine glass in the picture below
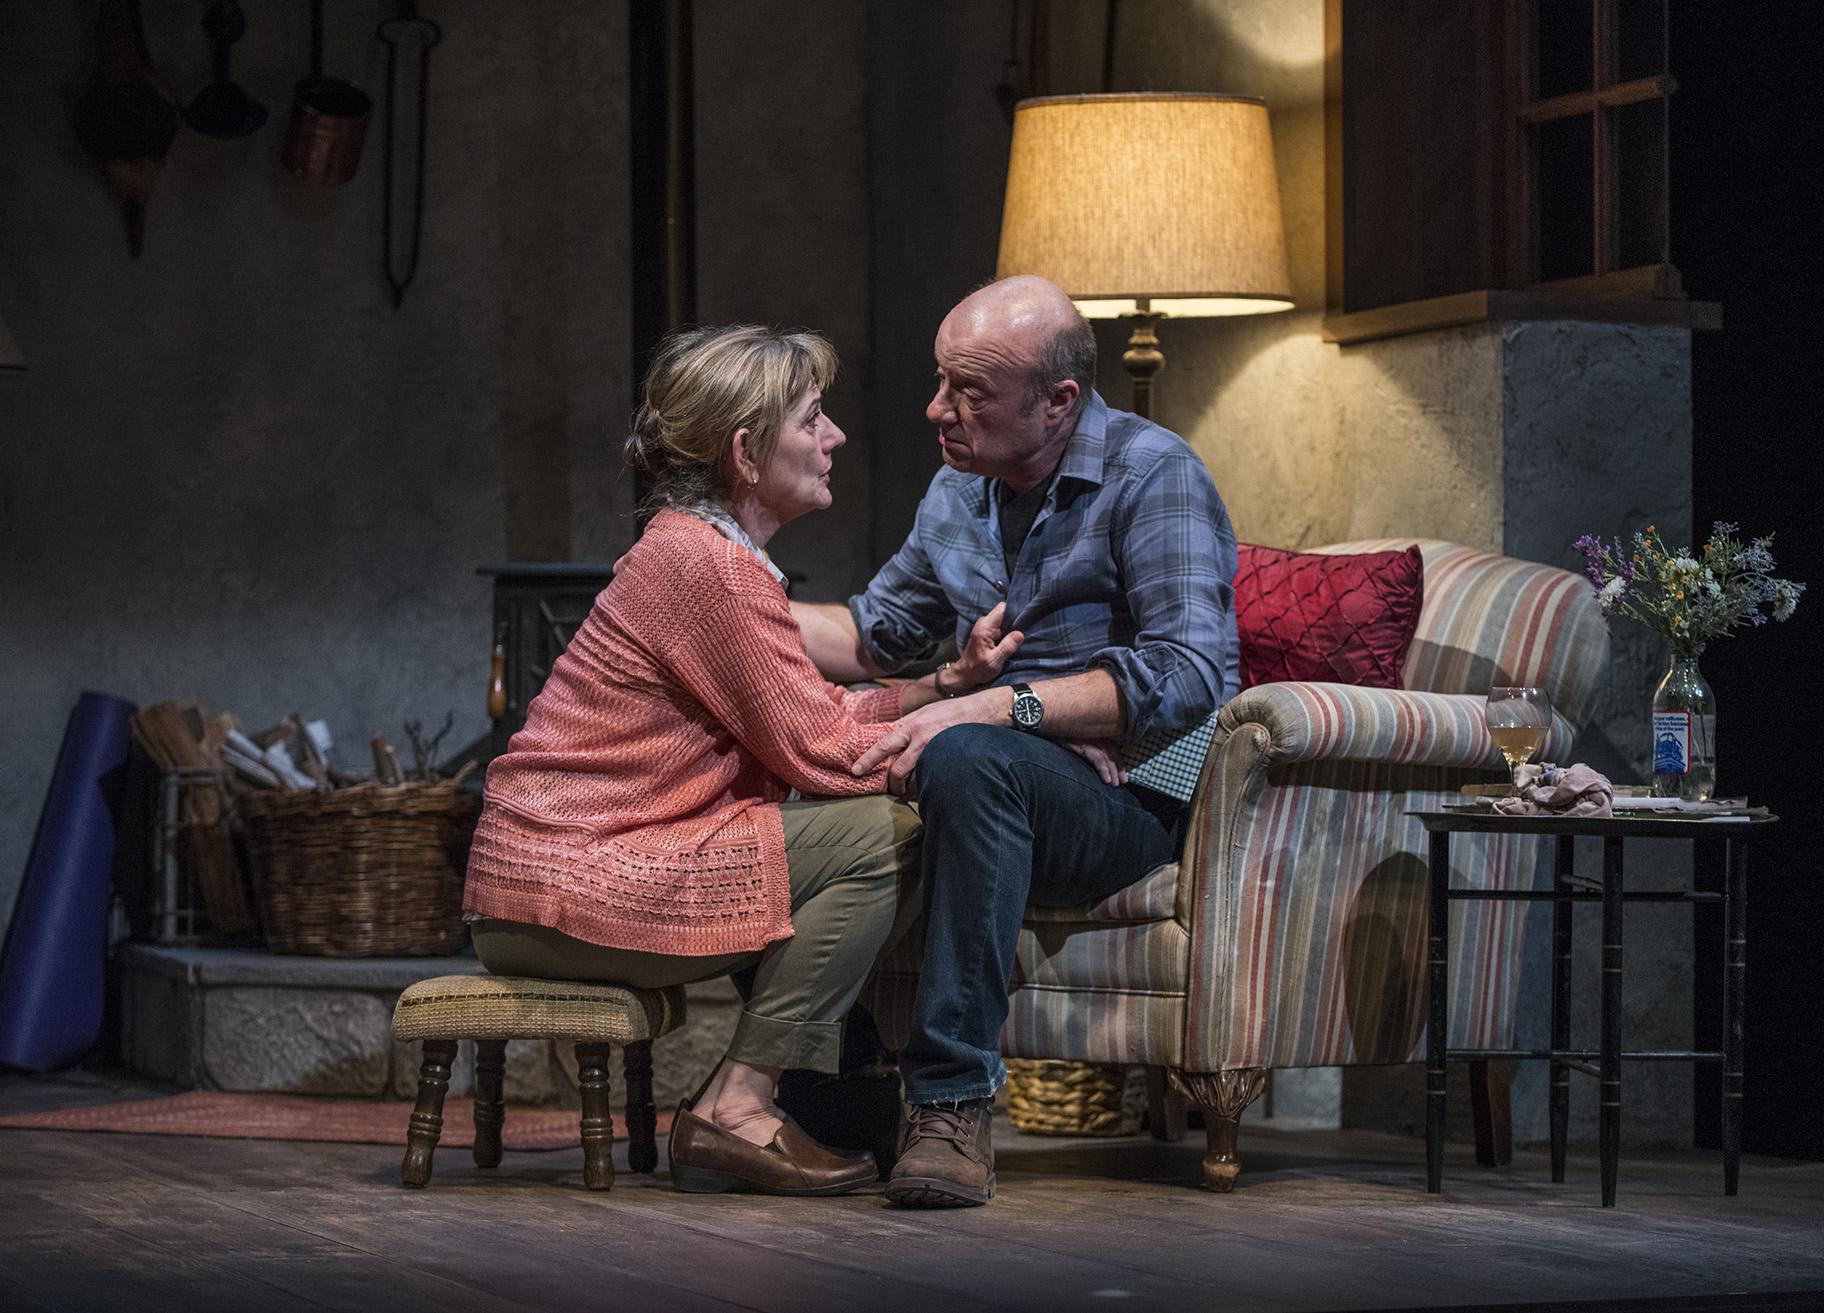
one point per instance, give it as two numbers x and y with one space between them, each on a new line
1518 719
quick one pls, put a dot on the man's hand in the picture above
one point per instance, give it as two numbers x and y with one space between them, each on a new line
986 652
912 731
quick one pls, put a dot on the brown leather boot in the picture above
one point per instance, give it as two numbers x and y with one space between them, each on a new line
946 1156
705 1159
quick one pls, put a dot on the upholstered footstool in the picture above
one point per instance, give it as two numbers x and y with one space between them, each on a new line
494 1009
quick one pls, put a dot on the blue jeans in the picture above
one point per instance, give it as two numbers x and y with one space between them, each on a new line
1010 818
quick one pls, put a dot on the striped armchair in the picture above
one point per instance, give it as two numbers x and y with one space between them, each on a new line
1292 931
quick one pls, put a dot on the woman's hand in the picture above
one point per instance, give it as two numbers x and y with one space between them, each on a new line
1098 753
984 655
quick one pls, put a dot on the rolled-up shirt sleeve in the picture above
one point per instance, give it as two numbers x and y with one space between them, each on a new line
1176 553
903 615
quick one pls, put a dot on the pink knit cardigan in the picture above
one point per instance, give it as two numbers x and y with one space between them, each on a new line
639 806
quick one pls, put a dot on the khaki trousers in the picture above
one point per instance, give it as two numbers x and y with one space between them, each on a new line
854 866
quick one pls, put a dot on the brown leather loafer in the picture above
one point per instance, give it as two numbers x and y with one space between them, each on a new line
946 1156
705 1159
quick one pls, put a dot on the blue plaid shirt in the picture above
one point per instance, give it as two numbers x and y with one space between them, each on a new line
1130 567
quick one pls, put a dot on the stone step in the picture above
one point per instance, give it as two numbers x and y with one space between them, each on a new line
242 1019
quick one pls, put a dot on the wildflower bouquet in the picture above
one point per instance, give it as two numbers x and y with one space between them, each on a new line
1689 597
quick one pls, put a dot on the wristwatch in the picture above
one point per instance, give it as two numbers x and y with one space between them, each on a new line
1027 711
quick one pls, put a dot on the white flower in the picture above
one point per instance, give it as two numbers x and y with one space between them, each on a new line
1786 598
1612 590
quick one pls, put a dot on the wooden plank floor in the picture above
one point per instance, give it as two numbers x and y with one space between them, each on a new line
1322 1220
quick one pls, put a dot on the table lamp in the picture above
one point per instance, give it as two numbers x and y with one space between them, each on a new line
1145 205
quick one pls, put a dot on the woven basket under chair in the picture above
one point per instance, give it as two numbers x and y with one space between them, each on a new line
368 871
1046 1097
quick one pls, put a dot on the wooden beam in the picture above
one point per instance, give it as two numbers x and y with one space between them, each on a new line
1493 304
1333 156
1572 103
1604 225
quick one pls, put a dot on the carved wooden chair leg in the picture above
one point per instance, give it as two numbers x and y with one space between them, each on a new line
642 1115
490 1100
1165 1110
1489 1105
1223 1096
426 1125
598 1122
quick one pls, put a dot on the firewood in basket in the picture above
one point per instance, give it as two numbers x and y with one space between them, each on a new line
424 753
386 762
314 764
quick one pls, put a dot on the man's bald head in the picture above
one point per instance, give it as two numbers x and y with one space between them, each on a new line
1033 320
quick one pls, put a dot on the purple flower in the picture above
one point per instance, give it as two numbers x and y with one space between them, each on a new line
1591 547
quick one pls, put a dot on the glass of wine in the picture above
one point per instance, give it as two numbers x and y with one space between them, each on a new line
1518 720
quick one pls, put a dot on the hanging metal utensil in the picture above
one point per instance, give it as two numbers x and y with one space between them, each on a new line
393 31
328 119
125 120
223 108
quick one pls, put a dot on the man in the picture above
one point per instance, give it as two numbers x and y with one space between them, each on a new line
1107 541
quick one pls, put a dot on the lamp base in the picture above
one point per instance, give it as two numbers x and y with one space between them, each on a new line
1143 359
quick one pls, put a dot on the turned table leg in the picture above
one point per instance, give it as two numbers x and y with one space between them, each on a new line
1564 869
642 1115
598 1123
1223 1096
426 1124
490 1100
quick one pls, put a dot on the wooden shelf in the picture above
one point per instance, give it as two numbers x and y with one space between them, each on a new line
1493 304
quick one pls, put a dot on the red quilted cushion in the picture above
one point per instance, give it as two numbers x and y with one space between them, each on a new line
1332 619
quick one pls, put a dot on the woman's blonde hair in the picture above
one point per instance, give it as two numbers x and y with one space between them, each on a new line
703 385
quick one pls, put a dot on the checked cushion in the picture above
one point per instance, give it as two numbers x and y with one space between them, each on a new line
1327 619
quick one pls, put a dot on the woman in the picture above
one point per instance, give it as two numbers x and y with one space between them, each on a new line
637 829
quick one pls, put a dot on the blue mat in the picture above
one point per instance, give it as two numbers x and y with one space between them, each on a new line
51 976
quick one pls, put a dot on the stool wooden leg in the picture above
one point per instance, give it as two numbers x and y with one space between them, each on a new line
490 1101
642 1116
426 1125
598 1122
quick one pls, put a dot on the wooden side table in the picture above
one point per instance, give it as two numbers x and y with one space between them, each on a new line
1604 1062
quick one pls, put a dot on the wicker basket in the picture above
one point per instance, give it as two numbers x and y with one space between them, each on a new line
1069 1098
367 871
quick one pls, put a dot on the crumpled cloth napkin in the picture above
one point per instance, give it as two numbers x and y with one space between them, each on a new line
1547 790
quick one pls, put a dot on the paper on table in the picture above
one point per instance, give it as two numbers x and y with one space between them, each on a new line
1715 807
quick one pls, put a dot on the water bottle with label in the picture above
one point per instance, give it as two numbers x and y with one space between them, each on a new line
1684 734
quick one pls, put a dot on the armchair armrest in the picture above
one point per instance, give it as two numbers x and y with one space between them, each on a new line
1341 722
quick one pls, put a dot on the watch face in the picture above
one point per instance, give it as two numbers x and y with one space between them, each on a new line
1028 711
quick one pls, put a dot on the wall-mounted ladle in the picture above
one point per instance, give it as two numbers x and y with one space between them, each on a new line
223 108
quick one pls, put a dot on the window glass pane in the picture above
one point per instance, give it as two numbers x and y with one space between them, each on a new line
1640 38
1566 202
1640 183
1563 36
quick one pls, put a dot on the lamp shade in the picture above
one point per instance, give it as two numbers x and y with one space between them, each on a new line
1167 203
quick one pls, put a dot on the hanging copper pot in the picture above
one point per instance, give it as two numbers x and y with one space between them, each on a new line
328 119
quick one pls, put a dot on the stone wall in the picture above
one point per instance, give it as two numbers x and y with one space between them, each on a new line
215 1019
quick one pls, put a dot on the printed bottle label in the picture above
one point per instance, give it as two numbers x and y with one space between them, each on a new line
1671 742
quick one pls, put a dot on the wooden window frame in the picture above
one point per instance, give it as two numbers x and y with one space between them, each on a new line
1529 110
1649 294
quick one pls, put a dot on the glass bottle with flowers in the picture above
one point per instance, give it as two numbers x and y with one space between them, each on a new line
1690 598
